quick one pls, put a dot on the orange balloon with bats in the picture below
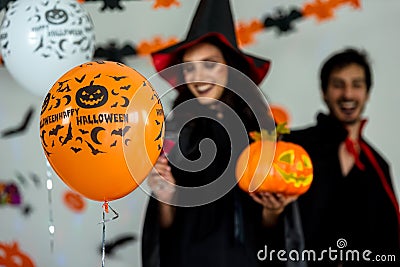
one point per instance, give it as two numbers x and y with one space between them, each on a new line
102 129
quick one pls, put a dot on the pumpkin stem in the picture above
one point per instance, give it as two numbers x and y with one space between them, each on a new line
280 129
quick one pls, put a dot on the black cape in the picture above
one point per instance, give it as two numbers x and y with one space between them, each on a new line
226 232
356 208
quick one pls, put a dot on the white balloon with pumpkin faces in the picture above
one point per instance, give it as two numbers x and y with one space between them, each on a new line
40 40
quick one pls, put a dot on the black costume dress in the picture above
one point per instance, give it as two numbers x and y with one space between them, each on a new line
359 208
222 233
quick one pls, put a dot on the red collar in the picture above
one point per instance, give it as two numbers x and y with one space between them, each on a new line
351 146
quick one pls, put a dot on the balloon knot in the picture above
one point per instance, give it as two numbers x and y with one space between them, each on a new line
105 206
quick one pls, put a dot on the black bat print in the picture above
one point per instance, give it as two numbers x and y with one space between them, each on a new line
55 130
114 143
95 151
42 137
125 87
81 79
120 131
60 84
76 149
159 135
78 42
83 131
117 78
69 135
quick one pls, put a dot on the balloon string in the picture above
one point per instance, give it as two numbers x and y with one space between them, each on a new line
106 206
49 186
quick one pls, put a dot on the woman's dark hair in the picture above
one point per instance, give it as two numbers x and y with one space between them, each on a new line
343 59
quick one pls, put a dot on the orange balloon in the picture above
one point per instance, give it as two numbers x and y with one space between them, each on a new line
96 118
280 114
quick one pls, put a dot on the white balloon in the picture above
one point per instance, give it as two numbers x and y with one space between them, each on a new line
43 39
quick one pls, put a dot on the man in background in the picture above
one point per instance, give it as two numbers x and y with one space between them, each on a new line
351 204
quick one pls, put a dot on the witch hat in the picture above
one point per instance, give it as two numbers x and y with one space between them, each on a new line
213 21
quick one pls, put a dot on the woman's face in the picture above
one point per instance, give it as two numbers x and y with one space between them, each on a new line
206 79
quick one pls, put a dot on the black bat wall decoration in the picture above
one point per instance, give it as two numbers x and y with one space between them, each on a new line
117 243
114 53
283 21
22 127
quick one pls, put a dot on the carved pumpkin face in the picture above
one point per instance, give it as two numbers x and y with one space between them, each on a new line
91 96
289 171
11 255
56 16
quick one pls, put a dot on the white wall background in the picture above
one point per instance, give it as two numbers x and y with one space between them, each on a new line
292 82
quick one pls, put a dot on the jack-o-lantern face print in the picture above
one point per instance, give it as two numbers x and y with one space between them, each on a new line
56 16
100 119
91 96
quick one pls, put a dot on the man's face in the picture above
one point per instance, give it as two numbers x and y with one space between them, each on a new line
346 95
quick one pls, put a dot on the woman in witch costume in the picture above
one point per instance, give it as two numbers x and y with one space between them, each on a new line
216 224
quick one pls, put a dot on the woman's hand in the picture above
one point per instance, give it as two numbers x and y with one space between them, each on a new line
273 205
162 183
161 180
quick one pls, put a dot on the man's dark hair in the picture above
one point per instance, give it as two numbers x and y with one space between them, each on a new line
343 59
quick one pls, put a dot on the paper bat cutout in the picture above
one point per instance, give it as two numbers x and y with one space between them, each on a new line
113 53
20 128
147 47
165 3
245 31
282 21
324 10
109 4
113 245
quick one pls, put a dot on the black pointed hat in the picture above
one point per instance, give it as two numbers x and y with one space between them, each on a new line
212 22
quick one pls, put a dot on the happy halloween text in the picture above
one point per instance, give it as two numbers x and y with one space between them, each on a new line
86 119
